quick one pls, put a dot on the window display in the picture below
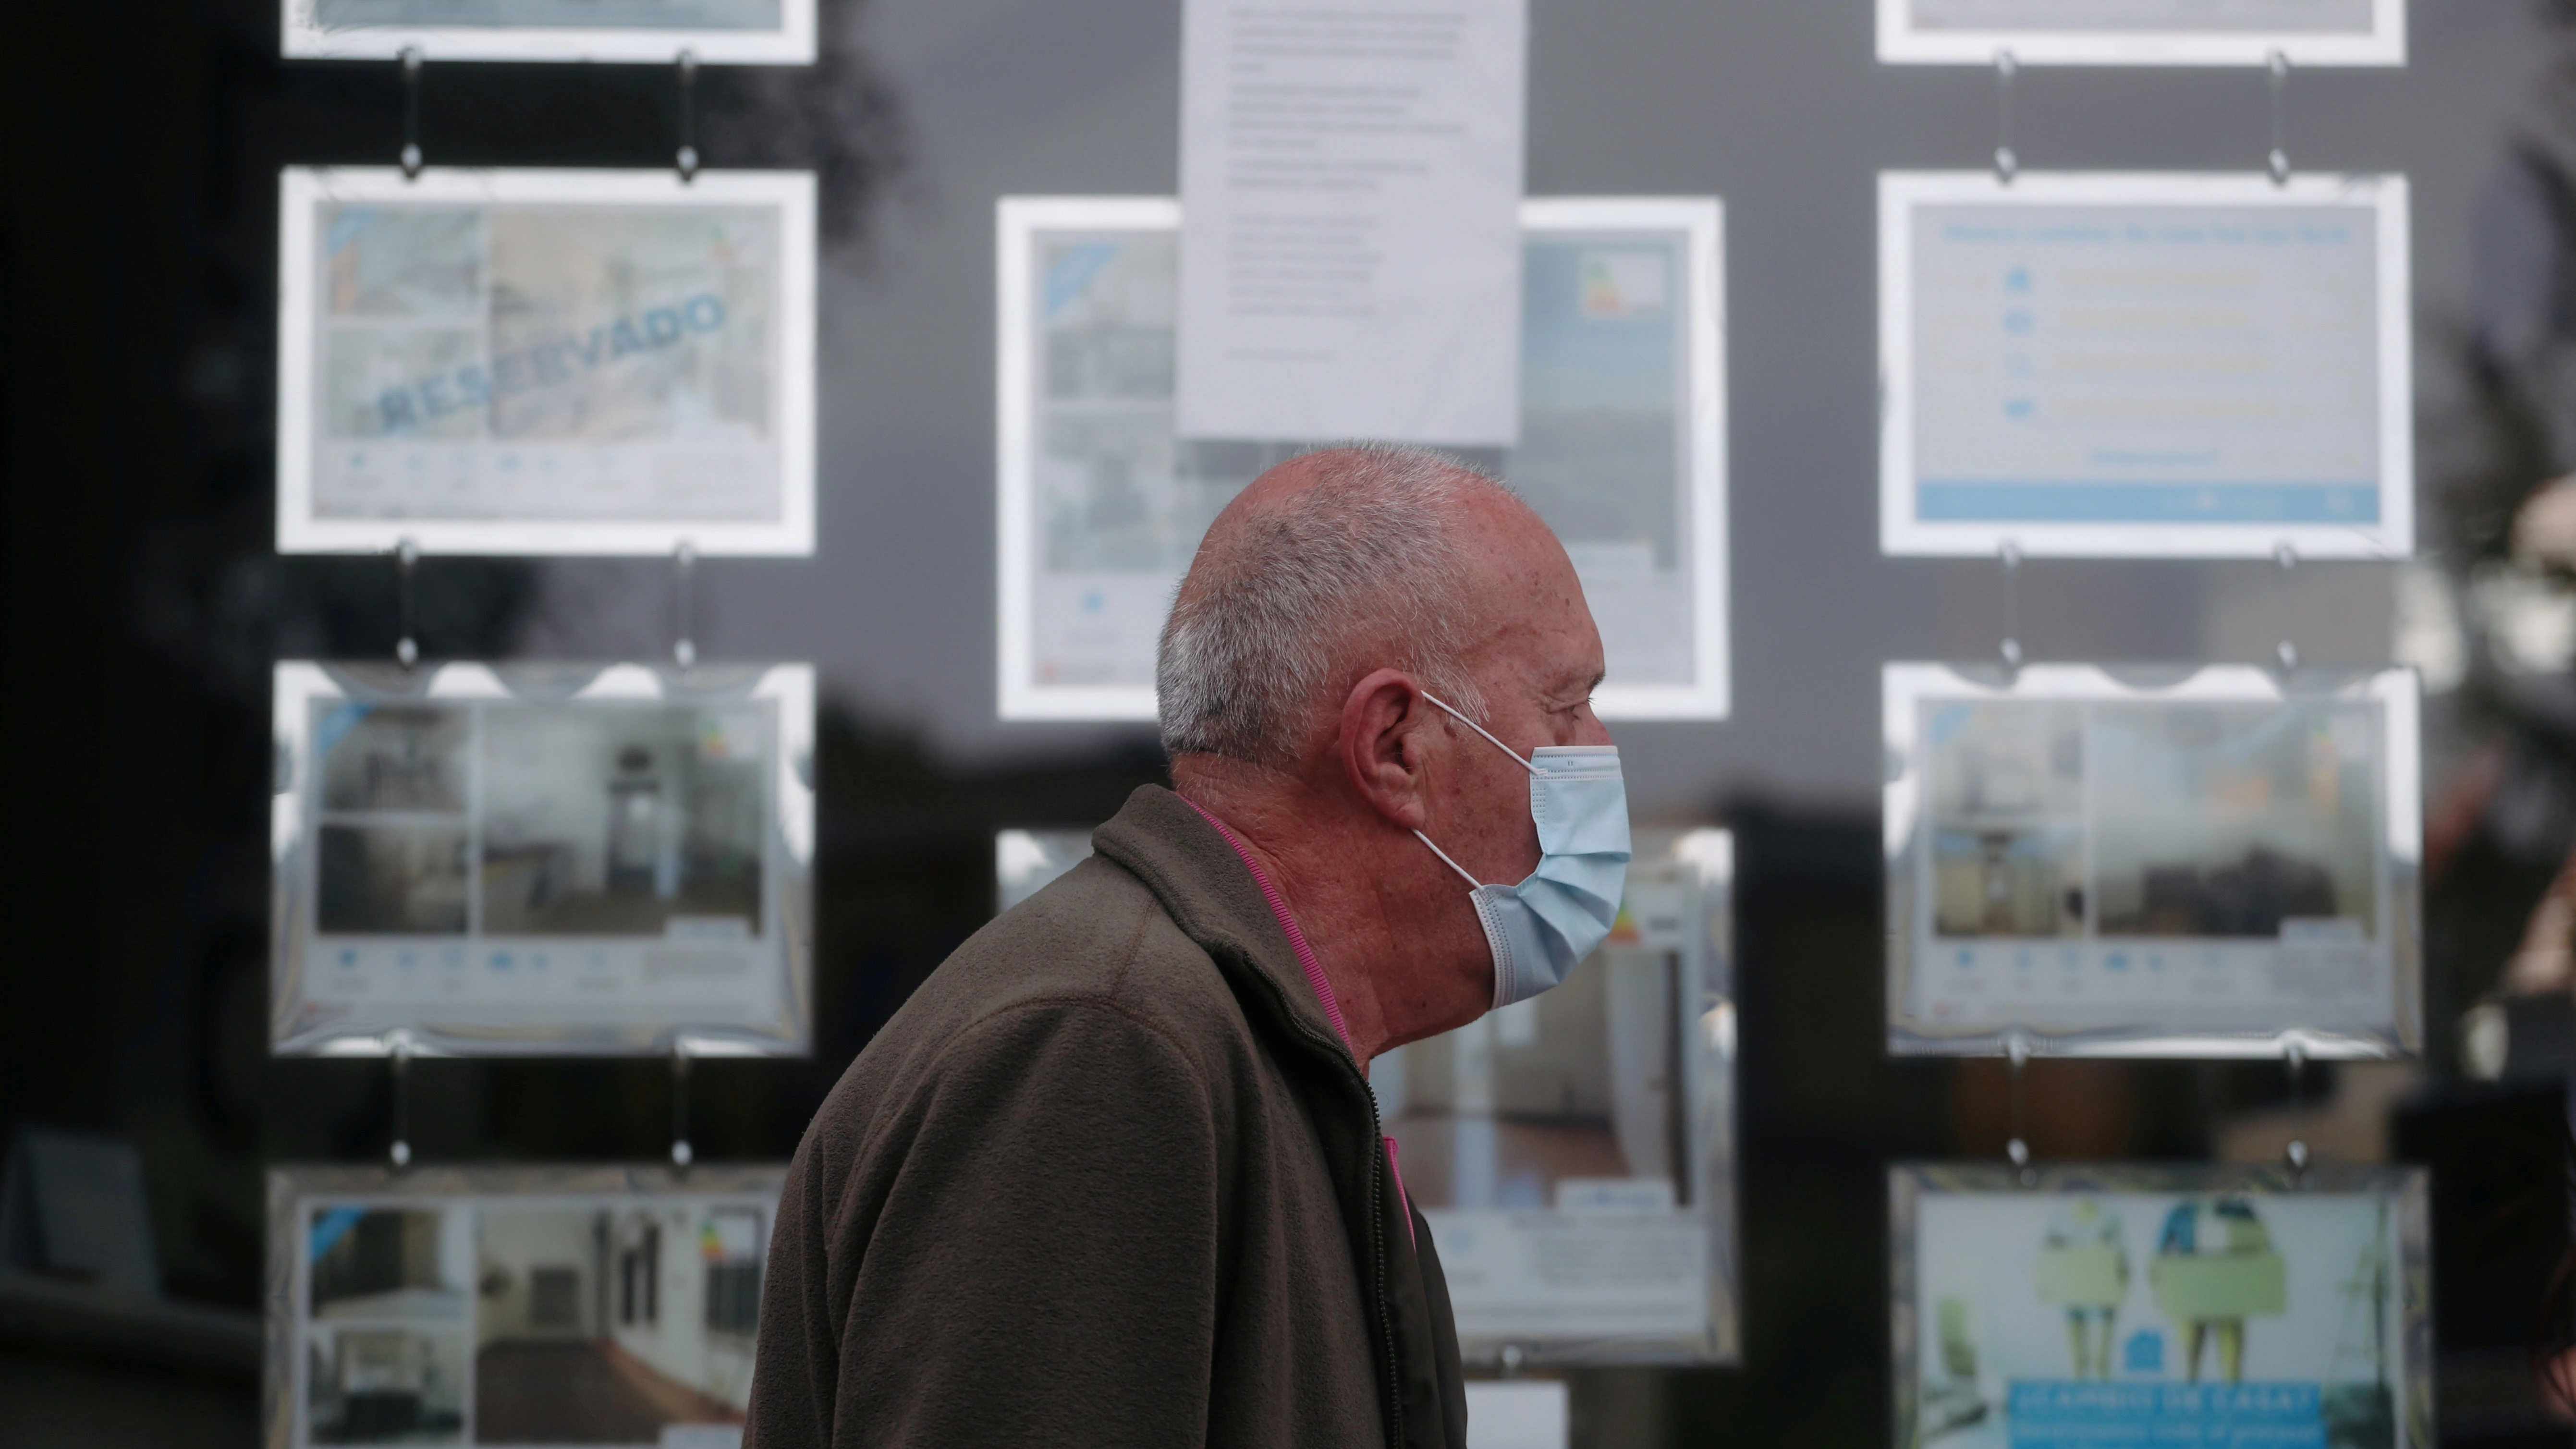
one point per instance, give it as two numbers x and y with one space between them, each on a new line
1574 1153
2145 366
1350 257
545 362
526 1306
531 858
1102 503
2204 861
2133 1307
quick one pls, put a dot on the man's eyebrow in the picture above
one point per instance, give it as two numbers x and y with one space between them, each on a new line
1578 692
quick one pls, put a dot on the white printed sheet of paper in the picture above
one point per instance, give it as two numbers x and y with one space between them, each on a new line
718 32
545 362
1101 505
543 859
2208 861
528 1306
1350 253
2143 32
2145 366
1574 1153
2145 1307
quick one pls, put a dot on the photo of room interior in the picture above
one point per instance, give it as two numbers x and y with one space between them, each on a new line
609 1325
617 819
1574 1095
2233 819
2007 807
391 845
2131 818
385 1346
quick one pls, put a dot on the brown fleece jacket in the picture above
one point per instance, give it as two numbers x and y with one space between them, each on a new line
1109 1177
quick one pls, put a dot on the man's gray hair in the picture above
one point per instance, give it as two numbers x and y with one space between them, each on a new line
1366 558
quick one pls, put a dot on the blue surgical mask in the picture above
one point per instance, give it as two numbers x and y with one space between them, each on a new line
1538 930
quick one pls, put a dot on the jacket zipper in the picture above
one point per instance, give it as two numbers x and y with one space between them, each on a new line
1385 1314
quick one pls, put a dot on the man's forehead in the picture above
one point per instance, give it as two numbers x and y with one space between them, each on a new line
1537 623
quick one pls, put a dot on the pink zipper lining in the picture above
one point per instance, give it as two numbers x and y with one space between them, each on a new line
1296 938
1315 978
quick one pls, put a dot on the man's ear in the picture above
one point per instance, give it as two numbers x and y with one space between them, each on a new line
1380 745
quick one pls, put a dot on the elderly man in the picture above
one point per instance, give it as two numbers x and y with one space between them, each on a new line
1113 1174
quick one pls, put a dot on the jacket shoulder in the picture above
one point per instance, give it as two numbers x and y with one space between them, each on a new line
1095 938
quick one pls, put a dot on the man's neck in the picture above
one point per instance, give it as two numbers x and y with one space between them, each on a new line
1333 893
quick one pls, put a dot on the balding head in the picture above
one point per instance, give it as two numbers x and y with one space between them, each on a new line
1327 566
1337 611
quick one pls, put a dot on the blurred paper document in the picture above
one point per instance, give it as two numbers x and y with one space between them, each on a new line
1350 254
2132 365
546 362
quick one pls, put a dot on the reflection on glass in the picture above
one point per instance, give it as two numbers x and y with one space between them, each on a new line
1028 861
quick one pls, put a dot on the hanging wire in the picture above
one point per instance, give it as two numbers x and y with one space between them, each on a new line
410 61
407 602
2280 158
2294 1054
684 567
2017 1147
682 1154
2011 649
398 1054
688 156
2007 163
2286 653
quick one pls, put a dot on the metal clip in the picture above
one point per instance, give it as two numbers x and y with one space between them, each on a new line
2017 1147
2294 1053
407 602
410 62
688 154
398 1055
681 1153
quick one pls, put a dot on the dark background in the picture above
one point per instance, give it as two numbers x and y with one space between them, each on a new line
141 608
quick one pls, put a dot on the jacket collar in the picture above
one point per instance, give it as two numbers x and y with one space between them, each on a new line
1212 896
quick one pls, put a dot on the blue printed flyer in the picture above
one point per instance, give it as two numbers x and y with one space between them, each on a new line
2119 1307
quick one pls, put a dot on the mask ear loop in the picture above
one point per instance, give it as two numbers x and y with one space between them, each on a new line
1473 884
1496 944
1480 729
